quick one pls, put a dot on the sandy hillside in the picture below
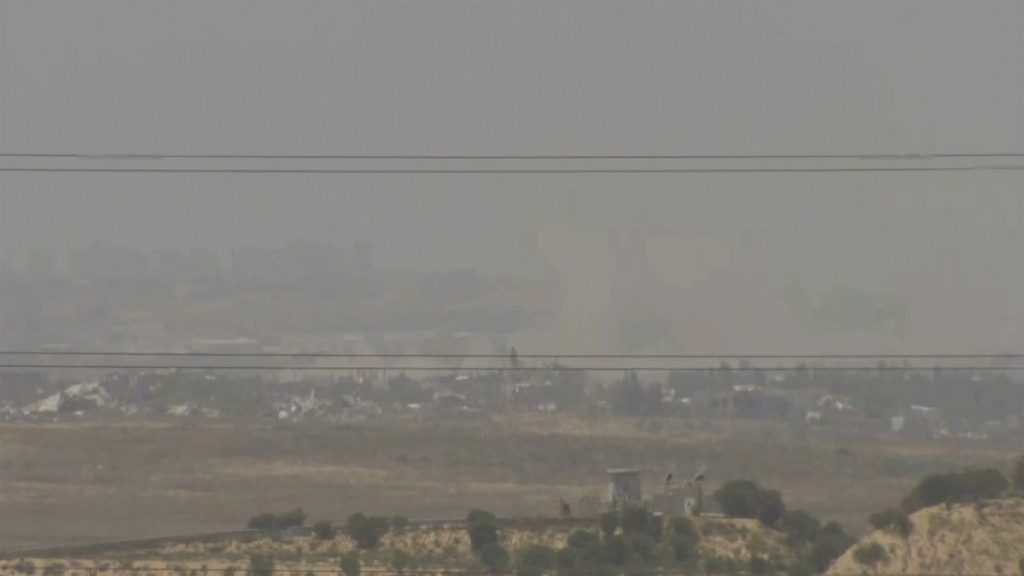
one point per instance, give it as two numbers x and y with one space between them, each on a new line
968 539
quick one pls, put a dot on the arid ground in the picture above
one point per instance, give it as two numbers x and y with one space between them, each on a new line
83 482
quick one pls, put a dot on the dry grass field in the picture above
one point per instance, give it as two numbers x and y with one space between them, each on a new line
84 482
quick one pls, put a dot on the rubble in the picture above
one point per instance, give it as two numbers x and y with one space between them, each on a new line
189 409
76 398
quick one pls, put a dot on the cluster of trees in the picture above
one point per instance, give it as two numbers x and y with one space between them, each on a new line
632 537
819 546
482 527
262 564
957 487
892 519
272 521
966 486
629 539
368 531
816 545
745 499
635 538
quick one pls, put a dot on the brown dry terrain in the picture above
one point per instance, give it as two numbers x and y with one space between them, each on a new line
969 539
75 483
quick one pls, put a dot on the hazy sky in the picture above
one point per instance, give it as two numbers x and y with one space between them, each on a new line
488 77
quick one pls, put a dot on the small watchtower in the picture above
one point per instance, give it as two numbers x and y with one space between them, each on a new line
624 487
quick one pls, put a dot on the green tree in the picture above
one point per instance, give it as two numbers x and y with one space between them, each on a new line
261 565
482 527
609 522
292 519
892 519
618 550
350 563
583 553
745 499
932 490
870 554
534 560
974 485
265 521
323 530
831 542
271 521
800 527
683 527
494 557
641 546
684 539
399 523
739 498
367 531
1018 476
400 560
636 520
477 515
966 486
771 508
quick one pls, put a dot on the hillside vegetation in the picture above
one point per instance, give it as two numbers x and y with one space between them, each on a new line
724 546
969 522
986 537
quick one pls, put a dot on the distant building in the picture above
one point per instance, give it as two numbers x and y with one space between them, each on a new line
898 422
624 487
922 422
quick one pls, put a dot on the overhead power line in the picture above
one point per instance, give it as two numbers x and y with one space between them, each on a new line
442 171
545 356
155 156
404 368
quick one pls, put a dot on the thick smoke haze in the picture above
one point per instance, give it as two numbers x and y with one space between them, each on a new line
727 261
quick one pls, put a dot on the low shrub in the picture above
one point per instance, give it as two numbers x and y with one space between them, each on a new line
894 520
870 554
272 521
323 530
